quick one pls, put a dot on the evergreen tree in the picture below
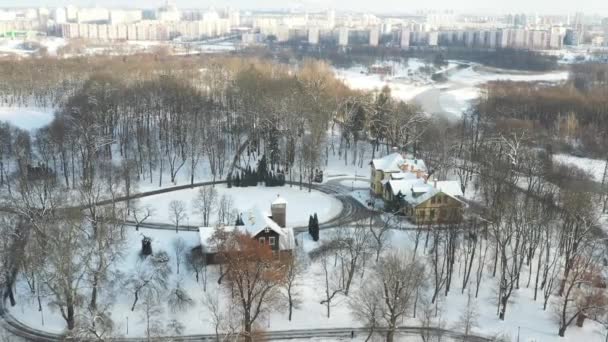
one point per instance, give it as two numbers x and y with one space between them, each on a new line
239 220
310 224
229 181
315 228
146 246
262 172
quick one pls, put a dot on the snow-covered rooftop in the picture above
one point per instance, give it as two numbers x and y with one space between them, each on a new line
395 162
255 221
389 163
279 200
416 191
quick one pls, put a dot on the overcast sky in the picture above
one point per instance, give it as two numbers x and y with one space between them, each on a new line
391 6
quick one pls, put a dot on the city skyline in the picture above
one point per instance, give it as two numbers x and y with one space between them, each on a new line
589 7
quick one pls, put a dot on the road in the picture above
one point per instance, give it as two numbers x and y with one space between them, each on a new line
352 210
16 328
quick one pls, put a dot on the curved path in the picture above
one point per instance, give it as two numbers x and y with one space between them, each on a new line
352 210
13 326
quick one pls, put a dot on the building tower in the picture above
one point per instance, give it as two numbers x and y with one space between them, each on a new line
278 209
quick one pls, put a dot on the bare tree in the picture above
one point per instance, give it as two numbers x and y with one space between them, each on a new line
381 234
225 210
398 280
353 247
140 215
365 307
150 276
151 310
255 278
179 300
94 324
468 317
205 203
294 270
68 255
179 246
333 279
223 316
177 212
196 262
580 278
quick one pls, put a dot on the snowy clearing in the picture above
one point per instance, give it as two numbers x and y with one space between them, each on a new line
28 118
451 97
301 203
595 167
534 324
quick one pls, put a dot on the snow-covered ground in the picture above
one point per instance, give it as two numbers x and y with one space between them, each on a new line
301 203
452 97
595 167
28 118
524 316
20 46
407 82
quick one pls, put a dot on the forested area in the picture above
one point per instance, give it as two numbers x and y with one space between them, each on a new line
572 116
123 121
498 58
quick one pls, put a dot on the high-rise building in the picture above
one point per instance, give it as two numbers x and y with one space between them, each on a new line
234 16
125 16
433 38
313 35
72 13
405 38
86 15
343 36
374 36
331 19
168 13
60 16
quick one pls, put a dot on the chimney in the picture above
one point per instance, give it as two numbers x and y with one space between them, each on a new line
435 183
278 210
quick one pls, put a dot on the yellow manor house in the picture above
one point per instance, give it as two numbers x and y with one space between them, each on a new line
405 185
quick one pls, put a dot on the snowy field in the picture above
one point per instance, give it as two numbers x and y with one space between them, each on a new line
18 46
452 97
301 203
28 118
407 82
523 313
595 167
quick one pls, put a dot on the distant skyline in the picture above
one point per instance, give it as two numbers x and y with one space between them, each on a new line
589 7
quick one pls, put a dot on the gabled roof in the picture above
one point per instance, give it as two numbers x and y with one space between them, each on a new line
389 163
395 162
418 165
416 191
255 221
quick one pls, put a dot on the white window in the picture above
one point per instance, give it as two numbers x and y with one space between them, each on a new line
262 240
271 240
